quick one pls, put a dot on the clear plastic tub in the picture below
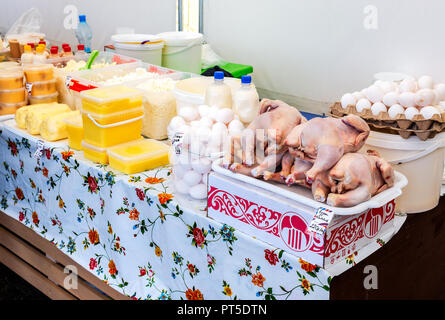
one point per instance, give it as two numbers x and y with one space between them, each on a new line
10 108
11 78
12 96
41 88
95 154
36 73
74 127
138 156
43 99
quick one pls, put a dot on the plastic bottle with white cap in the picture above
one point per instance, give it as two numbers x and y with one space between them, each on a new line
246 102
218 93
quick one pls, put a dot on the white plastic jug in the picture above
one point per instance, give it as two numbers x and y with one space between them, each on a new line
422 162
145 47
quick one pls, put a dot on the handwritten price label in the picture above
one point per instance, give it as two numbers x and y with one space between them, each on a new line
40 147
320 221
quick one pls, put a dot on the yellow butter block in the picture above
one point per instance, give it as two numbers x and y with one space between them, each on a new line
35 117
95 154
74 127
54 128
20 114
138 156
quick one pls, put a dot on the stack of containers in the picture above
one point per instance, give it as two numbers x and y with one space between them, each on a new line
110 116
40 83
12 90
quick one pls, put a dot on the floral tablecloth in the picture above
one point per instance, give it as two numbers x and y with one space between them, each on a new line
135 235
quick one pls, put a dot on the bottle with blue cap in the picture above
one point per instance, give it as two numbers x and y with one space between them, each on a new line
219 93
84 33
246 102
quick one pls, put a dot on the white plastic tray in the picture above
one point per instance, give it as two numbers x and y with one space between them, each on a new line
304 195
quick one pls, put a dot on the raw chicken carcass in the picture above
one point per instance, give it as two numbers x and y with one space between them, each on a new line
354 179
324 141
262 141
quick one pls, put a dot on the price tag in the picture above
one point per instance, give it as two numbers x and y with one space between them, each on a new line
28 87
68 82
40 148
320 221
177 142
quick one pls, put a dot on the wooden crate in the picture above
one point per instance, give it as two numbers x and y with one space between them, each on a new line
40 263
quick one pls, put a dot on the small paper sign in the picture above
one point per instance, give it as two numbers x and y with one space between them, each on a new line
40 148
321 220
177 142
28 86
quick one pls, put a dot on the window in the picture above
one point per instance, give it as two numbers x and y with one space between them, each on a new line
191 13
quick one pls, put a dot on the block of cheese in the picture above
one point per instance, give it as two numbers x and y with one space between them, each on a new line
20 114
35 117
54 128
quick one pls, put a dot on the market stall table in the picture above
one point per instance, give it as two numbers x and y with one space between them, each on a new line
134 234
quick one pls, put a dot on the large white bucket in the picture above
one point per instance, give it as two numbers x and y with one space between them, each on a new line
422 162
182 51
145 47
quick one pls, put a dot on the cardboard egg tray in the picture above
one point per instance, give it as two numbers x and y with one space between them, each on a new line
421 127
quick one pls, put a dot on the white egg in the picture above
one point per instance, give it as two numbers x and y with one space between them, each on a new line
203 110
388 86
185 160
195 124
219 127
377 108
176 122
213 149
203 133
192 178
206 122
439 89
363 104
188 113
178 171
408 85
395 110
378 82
205 178
425 97
198 192
425 82
390 98
374 94
358 95
407 99
363 92
213 112
411 112
202 165
224 115
181 187
428 112
235 125
346 100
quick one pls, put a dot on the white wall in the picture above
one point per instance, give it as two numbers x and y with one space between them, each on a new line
145 16
312 51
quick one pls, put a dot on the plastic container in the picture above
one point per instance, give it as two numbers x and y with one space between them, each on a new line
95 154
422 162
27 56
145 47
74 127
111 115
191 92
43 99
41 88
10 108
40 56
84 34
138 156
11 78
12 96
182 51
36 73
246 103
218 93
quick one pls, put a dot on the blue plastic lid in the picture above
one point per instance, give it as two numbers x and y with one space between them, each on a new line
82 18
218 75
246 79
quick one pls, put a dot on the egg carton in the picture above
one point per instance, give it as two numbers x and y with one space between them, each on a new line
421 127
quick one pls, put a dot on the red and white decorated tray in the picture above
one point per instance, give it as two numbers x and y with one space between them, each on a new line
304 196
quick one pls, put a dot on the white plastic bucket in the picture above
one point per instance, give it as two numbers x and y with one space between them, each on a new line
182 51
422 162
145 47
